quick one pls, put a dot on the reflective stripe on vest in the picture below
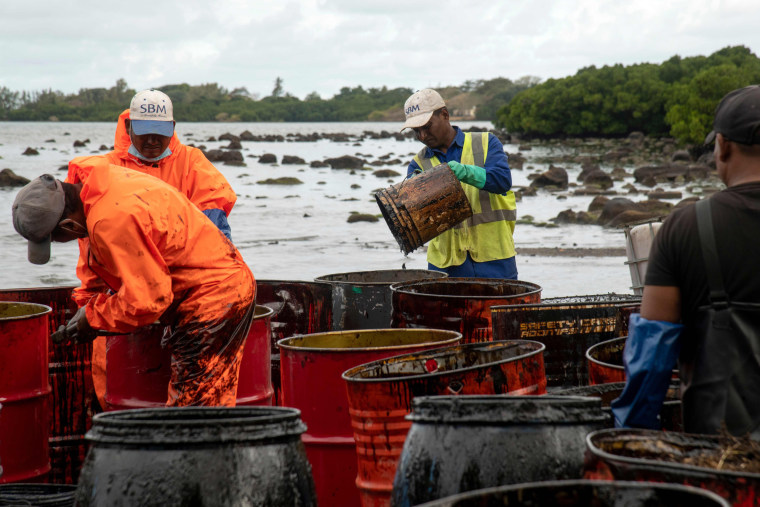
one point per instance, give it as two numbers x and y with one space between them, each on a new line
497 210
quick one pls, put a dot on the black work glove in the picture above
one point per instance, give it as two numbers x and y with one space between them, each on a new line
77 330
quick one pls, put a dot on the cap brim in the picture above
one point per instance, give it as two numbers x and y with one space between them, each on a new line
162 128
39 252
417 121
710 138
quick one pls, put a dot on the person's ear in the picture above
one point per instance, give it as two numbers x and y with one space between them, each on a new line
725 147
73 227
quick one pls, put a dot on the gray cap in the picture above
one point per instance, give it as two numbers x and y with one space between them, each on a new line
36 212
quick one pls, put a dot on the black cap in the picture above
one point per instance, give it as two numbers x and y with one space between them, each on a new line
737 116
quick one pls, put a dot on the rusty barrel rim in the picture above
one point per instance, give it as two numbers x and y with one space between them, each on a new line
655 464
195 426
351 375
39 310
292 343
262 312
501 409
406 287
482 494
355 277
600 345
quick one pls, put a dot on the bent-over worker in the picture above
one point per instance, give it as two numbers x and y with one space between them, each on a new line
162 259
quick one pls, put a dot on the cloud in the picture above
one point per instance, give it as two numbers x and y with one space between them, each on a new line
323 45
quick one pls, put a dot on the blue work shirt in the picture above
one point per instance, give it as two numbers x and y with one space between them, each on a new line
498 174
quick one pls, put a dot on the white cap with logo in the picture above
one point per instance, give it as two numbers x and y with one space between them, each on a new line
419 108
151 112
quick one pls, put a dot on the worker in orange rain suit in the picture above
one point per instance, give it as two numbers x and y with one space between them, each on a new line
163 260
183 167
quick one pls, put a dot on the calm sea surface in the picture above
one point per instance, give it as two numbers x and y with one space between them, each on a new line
300 232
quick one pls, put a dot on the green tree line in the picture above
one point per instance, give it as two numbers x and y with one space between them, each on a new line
211 102
676 98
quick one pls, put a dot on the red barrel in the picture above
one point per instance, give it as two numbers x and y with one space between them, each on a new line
311 368
380 397
24 391
255 379
299 308
457 304
139 369
710 462
605 361
362 299
73 400
568 327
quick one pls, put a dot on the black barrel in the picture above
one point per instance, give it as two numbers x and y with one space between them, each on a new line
464 443
197 456
362 299
568 326
670 414
586 493
37 495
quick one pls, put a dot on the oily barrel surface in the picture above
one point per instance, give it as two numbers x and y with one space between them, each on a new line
37 495
73 400
362 299
457 304
584 493
724 465
24 392
196 456
464 443
568 326
312 366
380 397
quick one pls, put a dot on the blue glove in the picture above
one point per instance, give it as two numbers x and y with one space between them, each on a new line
650 354
470 174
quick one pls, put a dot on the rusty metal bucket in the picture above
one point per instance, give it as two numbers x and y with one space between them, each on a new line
362 300
311 367
680 458
73 400
24 391
422 207
568 327
458 304
380 397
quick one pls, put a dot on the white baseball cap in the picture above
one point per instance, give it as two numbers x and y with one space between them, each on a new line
151 112
419 108
37 209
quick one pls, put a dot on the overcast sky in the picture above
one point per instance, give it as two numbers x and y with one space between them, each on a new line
323 45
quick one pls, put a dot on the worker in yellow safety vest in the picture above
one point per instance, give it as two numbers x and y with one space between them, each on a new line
481 246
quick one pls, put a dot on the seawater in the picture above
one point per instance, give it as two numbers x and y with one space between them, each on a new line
300 232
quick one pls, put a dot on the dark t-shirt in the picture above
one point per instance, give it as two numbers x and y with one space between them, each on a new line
676 256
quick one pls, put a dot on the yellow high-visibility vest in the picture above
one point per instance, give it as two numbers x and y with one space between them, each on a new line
487 234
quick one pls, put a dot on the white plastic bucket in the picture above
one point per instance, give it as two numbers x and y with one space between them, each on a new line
637 245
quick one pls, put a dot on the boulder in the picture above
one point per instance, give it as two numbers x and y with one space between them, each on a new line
597 204
631 217
10 179
361 217
234 145
598 178
614 207
229 137
247 136
30 151
555 177
681 156
386 173
292 160
345 162
318 163
268 158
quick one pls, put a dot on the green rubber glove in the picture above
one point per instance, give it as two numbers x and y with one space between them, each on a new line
470 174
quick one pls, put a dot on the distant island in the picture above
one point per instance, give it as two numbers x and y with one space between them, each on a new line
676 98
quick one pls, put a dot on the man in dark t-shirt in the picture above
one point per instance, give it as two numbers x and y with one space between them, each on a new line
671 323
